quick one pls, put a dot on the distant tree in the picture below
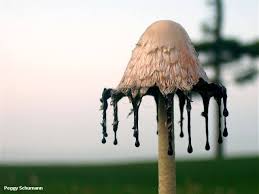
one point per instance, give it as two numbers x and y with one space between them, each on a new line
219 51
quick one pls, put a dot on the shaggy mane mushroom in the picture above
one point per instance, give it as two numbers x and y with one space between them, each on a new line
164 64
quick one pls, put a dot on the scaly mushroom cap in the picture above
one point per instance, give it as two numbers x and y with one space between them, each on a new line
163 57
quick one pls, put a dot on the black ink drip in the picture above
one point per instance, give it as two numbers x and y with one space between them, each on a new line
206 100
188 108
105 96
156 101
225 111
170 122
206 90
136 103
181 97
115 118
218 99
218 91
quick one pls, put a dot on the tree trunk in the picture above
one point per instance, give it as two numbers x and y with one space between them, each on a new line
217 65
219 147
166 163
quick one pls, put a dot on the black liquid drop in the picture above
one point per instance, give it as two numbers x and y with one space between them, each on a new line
225 112
170 151
137 143
207 147
220 140
189 149
225 132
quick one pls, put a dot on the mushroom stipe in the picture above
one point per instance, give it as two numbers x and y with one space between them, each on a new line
206 91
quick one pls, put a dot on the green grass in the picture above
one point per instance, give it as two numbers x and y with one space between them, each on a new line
233 176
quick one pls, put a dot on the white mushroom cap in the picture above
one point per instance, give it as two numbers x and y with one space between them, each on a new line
163 57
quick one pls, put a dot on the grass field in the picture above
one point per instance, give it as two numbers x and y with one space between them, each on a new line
233 176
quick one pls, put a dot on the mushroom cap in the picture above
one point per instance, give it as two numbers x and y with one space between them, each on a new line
163 57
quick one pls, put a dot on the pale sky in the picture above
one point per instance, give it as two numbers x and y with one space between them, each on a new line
57 56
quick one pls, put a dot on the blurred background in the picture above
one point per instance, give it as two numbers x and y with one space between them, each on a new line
57 56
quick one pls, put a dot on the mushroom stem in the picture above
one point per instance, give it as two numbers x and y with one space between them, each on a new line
166 163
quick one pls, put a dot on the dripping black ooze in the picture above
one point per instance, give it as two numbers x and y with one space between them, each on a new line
206 91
